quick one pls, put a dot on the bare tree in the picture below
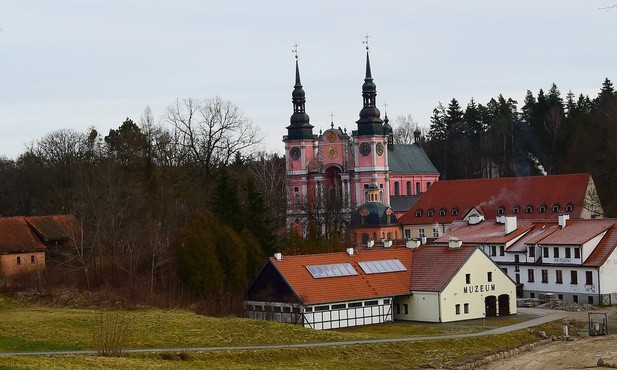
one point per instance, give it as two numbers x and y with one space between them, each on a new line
404 130
269 173
211 131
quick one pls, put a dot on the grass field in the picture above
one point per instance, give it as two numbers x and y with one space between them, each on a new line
25 327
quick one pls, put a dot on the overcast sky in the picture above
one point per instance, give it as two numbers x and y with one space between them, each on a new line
76 64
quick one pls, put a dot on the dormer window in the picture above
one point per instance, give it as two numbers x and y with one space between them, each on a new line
516 210
569 207
443 212
501 210
419 212
430 212
529 208
454 211
555 208
542 208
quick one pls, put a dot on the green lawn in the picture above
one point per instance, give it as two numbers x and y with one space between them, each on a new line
26 327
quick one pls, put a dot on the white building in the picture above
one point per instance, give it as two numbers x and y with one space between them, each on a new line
570 259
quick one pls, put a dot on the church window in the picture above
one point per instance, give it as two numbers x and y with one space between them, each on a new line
555 208
569 207
396 188
408 184
428 185
418 190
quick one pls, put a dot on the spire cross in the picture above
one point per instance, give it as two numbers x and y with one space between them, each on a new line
365 42
295 50
331 119
385 106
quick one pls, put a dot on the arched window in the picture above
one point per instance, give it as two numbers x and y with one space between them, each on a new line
501 210
408 185
296 199
454 211
516 209
418 190
542 208
419 212
396 188
569 207
428 185
430 212
443 212
529 208
555 208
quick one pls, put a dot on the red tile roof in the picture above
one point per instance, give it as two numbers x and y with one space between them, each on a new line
577 232
16 236
489 194
485 232
55 228
433 267
604 249
345 288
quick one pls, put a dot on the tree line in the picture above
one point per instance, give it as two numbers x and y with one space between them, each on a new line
548 135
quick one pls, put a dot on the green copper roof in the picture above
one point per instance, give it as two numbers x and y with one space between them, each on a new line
410 158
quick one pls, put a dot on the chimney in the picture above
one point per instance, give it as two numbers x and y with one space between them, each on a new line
350 251
278 256
500 219
510 223
412 243
370 243
562 219
475 219
387 243
454 243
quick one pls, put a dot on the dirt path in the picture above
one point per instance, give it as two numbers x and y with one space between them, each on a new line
580 353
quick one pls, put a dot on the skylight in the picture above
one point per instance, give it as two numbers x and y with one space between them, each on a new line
333 270
377 267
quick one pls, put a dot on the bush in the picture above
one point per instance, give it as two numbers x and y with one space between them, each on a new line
111 332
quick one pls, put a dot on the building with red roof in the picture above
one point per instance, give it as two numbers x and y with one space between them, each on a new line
380 284
568 259
531 198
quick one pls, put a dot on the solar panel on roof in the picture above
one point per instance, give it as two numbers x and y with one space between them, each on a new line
377 267
333 270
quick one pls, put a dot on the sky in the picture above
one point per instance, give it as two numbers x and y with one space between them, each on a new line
74 64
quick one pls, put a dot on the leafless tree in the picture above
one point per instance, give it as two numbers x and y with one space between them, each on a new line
404 130
211 131
268 170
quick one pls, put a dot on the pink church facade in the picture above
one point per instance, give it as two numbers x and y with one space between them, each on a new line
339 165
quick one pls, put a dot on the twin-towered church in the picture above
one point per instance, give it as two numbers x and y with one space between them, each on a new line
335 164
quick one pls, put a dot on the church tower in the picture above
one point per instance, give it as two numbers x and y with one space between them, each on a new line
300 150
371 160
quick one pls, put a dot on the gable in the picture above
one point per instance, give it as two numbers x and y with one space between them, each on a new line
434 266
270 286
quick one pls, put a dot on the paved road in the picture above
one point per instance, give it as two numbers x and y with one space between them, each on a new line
541 316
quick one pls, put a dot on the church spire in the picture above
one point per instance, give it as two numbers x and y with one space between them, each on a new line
300 128
369 122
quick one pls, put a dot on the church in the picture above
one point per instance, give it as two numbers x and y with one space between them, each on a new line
337 168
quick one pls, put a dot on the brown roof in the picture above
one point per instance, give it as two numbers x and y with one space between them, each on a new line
487 195
433 266
16 236
484 232
55 228
344 288
577 232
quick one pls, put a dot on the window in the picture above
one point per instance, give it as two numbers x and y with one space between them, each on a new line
386 301
573 277
454 211
396 188
530 277
590 299
408 185
466 307
545 276
588 278
296 189
18 260
322 308
560 297
501 210
32 259
532 252
545 252
419 212
308 309
443 212
407 233
457 308
516 209
467 278
532 295
421 233
354 304
569 207
577 253
502 251
493 250
556 252
296 199
489 276
428 185
568 252
397 308
418 190
405 309
529 208
575 298
338 306
518 277
542 208
371 303
516 258
435 233
555 208
430 212
505 270
559 277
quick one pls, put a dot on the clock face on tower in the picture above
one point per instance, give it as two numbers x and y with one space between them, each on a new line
365 148
294 153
